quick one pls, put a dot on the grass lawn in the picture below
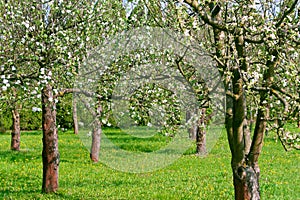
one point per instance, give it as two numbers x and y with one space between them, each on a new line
189 177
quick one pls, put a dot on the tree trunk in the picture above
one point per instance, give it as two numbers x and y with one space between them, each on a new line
50 152
193 132
16 133
246 183
251 122
299 118
75 119
201 134
96 137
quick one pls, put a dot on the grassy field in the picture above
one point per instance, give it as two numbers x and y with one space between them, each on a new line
190 177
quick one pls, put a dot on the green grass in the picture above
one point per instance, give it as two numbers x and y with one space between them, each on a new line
189 177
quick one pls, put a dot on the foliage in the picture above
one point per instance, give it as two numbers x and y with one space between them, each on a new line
64 118
151 104
190 177
30 118
5 121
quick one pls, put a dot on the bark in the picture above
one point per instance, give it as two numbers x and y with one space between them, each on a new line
245 172
251 121
96 136
16 133
97 130
201 134
298 119
96 139
247 132
246 183
193 132
75 119
50 152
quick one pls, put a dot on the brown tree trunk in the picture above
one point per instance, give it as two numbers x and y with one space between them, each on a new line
299 119
16 133
50 152
75 119
201 134
251 122
246 183
96 137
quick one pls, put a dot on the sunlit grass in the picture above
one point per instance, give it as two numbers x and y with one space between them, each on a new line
190 177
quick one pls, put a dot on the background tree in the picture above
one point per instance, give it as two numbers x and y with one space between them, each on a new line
50 39
253 44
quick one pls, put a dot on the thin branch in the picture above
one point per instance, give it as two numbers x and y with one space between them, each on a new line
207 19
286 13
286 105
248 40
75 90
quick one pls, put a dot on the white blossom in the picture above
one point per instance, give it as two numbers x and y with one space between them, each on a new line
4 88
36 109
42 71
26 24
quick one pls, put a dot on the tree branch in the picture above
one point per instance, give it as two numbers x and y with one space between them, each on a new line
207 19
75 90
286 13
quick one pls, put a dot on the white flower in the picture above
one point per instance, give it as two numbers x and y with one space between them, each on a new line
26 24
272 36
186 32
4 88
35 109
42 71
273 58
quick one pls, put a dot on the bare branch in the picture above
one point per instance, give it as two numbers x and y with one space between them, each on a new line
206 18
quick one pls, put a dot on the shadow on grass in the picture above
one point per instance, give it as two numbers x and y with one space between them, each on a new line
132 143
5 194
18 156
35 194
